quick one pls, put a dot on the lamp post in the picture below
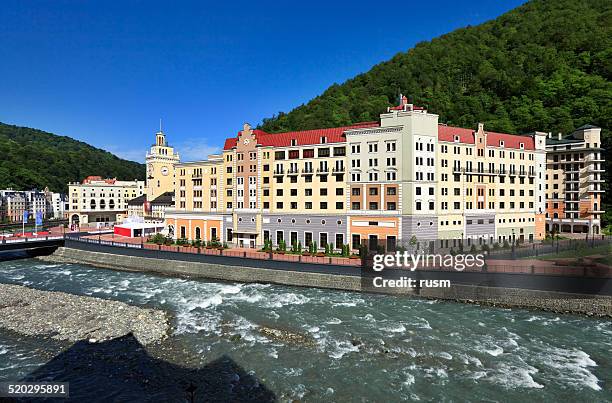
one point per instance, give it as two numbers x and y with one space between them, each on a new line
512 243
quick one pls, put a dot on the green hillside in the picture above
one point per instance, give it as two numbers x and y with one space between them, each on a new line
34 159
543 66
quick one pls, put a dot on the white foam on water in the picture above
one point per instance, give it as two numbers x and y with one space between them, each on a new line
231 289
338 349
445 355
284 299
204 303
571 367
394 328
513 377
3 350
422 323
333 321
496 351
409 380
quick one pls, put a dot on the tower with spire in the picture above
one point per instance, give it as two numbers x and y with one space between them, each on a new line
161 161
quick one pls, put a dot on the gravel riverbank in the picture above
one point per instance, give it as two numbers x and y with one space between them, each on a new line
63 316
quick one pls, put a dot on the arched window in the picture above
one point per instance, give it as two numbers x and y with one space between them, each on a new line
111 204
92 204
102 204
197 233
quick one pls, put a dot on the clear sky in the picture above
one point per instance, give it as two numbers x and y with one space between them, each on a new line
104 72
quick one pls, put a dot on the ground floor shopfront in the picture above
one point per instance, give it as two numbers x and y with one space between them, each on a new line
251 229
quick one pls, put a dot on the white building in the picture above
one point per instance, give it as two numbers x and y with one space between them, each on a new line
98 200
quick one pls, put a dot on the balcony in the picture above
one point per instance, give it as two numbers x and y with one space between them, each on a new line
279 172
595 170
338 171
307 171
595 180
293 172
593 211
323 171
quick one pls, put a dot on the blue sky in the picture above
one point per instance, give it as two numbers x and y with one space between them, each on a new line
105 72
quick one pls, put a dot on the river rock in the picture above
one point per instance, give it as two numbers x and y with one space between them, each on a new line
69 317
286 336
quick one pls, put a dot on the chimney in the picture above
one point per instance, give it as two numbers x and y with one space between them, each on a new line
560 136
550 135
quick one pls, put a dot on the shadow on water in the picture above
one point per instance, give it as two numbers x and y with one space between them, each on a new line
122 370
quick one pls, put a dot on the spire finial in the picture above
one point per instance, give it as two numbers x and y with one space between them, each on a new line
160 125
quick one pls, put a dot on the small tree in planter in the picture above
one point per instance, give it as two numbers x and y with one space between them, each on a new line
346 250
473 249
299 247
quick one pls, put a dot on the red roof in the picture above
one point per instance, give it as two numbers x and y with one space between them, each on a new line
306 137
448 133
336 135
93 178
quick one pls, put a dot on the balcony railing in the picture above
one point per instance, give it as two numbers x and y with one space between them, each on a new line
278 172
338 170
323 171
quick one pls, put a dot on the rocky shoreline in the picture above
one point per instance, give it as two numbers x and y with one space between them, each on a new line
69 317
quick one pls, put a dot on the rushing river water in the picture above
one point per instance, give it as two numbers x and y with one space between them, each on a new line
366 347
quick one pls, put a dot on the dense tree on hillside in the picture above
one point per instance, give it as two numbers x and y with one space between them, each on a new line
34 159
543 66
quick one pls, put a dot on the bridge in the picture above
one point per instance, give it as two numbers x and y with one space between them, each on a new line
28 247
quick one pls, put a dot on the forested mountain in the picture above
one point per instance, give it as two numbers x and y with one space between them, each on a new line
543 66
34 159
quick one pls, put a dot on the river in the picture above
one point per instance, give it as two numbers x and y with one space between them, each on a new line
366 347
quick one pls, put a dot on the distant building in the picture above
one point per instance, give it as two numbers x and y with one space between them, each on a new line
16 204
13 203
136 206
97 200
56 204
161 204
574 171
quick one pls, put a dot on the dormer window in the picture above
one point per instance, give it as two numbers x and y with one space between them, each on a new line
456 139
501 143
293 142
323 140
522 146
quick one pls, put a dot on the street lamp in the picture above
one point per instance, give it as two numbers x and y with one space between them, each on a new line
513 242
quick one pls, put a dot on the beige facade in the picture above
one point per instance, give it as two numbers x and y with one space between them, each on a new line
161 161
97 200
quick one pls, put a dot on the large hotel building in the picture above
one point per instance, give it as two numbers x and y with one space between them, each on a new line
406 177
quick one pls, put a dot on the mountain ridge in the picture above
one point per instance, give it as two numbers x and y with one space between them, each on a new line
34 159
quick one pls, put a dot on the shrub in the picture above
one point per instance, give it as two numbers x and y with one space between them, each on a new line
157 238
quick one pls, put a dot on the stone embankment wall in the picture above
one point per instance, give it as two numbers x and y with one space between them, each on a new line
598 305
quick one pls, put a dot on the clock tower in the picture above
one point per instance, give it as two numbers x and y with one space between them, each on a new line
160 161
